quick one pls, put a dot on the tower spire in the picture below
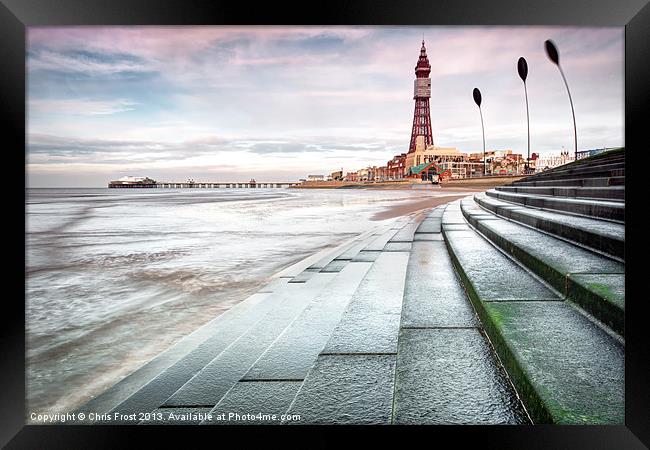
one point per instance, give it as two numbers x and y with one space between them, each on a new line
421 95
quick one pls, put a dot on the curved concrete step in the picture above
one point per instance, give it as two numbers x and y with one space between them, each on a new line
601 236
613 193
566 368
605 170
614 211
446 371
595 161
610 156
209 385
605 163
360 352
274 378
577 182
296 349
595 282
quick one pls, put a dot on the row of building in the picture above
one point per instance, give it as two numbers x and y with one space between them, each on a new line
451 161
447 162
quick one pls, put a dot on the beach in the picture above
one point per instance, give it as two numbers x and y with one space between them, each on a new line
115 278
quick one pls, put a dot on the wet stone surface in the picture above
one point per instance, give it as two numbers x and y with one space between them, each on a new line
595 208
366 256
347 389
429 226
335 266
378 243
295 350
268 398
427 237
354 249
456 227
273 285
406 233
610 229
455 216
371 321
458 382
154 393
575 366
436 212
433 296
494 276
213 381
610 287
564 257
304 276
397 247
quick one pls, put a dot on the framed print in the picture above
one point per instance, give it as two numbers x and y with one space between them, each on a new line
366 218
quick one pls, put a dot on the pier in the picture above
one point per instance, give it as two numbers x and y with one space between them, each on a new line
504 307
207 185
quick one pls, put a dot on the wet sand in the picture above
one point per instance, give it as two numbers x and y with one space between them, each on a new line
407 208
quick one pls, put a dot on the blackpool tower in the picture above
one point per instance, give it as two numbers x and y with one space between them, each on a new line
421 95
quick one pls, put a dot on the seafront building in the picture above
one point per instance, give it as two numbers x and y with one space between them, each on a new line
546 162
130 181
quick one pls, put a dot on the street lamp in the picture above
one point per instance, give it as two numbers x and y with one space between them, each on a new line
477 99
553 55
522 68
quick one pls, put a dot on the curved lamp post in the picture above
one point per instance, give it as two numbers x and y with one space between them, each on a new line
477 99
522 68
553 55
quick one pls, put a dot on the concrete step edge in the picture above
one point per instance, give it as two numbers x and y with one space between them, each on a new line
590 238
611 193
594 172
601 165
609 313
604 210
577 182
534 398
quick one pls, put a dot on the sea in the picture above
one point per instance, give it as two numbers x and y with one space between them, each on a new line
116 276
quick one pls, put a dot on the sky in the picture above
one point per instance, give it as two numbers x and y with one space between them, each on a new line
279 103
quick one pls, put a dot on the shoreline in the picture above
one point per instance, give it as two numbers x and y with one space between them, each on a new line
480 183
404 209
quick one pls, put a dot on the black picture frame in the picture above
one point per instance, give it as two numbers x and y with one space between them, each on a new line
16 15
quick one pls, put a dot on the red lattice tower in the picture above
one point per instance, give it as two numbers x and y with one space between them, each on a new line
421 95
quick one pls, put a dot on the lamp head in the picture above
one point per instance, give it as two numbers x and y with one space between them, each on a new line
522 68
477 97
551 52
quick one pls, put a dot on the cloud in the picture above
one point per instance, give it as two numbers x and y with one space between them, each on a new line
302 98
80 106
86 62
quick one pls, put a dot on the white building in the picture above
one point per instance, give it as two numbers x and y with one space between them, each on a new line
545 162
315 177
128 179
